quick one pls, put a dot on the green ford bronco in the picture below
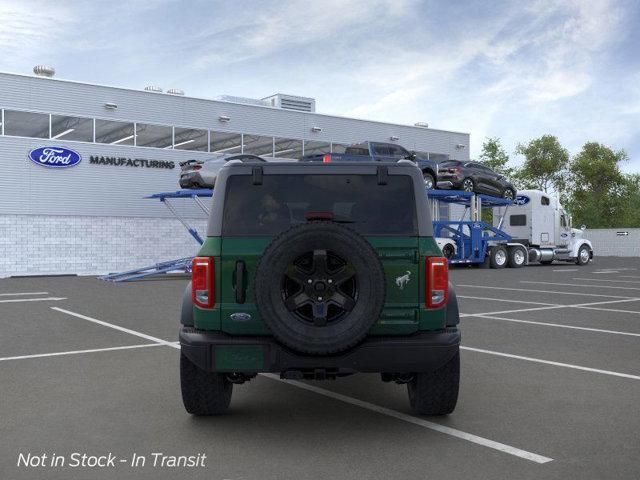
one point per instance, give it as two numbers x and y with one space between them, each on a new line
317 271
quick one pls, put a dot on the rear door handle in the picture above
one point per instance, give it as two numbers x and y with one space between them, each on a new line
240 288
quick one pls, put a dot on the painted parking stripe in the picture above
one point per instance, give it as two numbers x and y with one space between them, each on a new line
46 299
549 362
617 310
566 270
354 401
23 293
558 325
604 280
506 300
553 307
545 291
579 285
115 327
76 352
485 442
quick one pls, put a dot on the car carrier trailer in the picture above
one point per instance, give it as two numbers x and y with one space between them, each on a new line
533 228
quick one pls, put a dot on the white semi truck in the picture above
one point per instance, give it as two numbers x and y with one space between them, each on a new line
537 221
535 228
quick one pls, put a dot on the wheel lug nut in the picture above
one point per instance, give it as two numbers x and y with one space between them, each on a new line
309 281
320 298
330 281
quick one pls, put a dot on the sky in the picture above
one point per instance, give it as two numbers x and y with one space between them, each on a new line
514 70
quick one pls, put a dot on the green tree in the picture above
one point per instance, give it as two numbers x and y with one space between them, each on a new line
495 157
545 164
599 191
631 210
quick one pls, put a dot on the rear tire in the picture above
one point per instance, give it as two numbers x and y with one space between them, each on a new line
436 393
468 185
508 194
517 257
203 393
498 257
429 181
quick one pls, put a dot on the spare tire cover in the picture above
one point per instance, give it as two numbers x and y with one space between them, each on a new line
319 287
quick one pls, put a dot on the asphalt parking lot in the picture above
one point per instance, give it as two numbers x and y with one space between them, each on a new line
550 387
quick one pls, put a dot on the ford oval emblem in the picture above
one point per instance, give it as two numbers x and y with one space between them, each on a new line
521 200
55 157
240 317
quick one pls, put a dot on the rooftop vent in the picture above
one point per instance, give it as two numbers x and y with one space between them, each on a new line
292 102
175 91
153 88
422 124
44 71
244 100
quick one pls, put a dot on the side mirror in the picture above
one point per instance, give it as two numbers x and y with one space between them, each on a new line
583 227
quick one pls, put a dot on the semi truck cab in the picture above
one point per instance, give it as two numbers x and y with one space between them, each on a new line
538 221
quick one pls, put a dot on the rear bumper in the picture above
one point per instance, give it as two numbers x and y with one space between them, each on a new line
421 352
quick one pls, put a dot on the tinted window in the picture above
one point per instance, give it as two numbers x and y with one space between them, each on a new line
26 124
285 200
397 151
544 200
450 163
381 149
357 151
517 220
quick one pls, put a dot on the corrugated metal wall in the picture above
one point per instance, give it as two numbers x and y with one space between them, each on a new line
614 242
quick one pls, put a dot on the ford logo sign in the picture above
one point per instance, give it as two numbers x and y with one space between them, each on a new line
521 200
56 157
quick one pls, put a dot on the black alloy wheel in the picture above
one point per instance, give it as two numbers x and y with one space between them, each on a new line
320 287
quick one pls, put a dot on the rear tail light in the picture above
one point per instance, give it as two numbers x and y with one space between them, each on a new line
437 282
203 282
326 158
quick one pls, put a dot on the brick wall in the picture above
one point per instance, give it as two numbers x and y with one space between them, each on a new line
48 245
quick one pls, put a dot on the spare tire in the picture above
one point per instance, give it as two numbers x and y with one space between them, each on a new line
319 287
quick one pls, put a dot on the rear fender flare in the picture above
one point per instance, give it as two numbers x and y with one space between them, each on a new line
453 313
186 315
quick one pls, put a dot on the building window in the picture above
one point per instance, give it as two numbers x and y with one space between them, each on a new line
190 139
224 142
114 133
316 148
287 148
72 128
258 145
26 124
157 136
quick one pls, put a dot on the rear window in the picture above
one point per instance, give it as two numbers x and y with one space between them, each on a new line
357 151
450 163
282 201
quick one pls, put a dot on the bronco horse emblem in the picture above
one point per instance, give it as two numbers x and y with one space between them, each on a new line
402 280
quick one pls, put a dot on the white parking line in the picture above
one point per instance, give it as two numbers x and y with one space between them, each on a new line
565 270
580 285
604 280
553 307
555 364
76 352
115 327
354 401
485 442
559 325
46 299
546 291
23 293
506 300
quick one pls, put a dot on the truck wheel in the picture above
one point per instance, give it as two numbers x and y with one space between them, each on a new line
319 287
517 257
498 257
583 255
429 181
436 393
508 194
203 393
448 251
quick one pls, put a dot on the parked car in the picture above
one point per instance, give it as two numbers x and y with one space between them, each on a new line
203 173
474 177
381 152
300 277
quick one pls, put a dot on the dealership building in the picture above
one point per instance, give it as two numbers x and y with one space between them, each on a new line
88 214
